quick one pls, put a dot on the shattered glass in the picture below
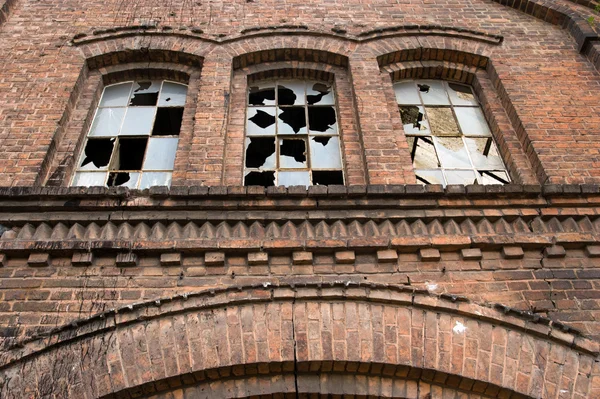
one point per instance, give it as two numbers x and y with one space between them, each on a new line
260 152
96 154
322 120
124 179
254 178
422 152
292 153
492 177
319 94
116 95
414 119
107 122
484 153
290 93
291 120
145 93
261 122
262 94
325 153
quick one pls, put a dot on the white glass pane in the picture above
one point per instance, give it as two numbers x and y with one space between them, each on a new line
442 121
260 153
460 176
160 154
116 95
172 95
291 120
414 119
89 179
452 152
325 153
319 93
107 122
472 121
461 94
484 153
261 93
492 177
293 178
290 93
406 93
432 92
123 179
151 179
430 177
138 121
261 121
322 120
422 152
292 153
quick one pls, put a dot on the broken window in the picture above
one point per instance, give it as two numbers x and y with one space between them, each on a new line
292 134
134 135
448 136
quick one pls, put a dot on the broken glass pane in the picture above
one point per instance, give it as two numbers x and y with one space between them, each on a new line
151 179
432 92
107 122
290 93
130 154
261 121
168 121
145 93
460 177
414 119
116 95
260 152
442 122
291 120
492 177
327 177
461 94
264 179
89 179
422 152
160 154
138 121
325 152
430 177
406 93
172 95
96 155
484 153
472 121
322 120
125 179
292 153
452 152
293 178
319 93
262 94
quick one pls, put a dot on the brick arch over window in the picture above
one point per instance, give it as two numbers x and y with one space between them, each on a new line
369 332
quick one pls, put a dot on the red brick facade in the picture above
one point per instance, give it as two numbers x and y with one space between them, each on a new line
381 288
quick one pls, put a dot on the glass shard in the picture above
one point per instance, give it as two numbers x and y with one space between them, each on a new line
168 121
160 154
130 154
290 93
292 120
116 95
461 94
293 178
138 121
322 120
107 122
484 153
472 121
319 93
260 152
172 95
432 92
414 119
325 153
452 152
261 121
125 179
406 93
422 152
460 177
265 179
262 94
430 177
292 153
327 177
152 179
89 179
97 153
442 122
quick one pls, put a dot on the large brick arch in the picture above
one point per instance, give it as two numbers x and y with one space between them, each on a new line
372 335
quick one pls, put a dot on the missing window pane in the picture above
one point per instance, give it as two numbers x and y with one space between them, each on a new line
265 179
260 152
322 119
328 177
125 179
422 152
319 93
290 93
168 122
292 153
261 121
261 95
292 120
413 119
131 154
325 153
96 155
143 99
442 122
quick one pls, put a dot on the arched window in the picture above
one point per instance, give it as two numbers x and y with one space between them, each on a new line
292 135
133 138
449 139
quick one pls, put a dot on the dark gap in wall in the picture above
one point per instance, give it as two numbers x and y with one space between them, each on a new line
320 119
259 149
424 88
285 96
131 153
293 148
98 152
294 117
144 99
262 119
258 96
323 90
264 179
168 121
327 177
118 179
